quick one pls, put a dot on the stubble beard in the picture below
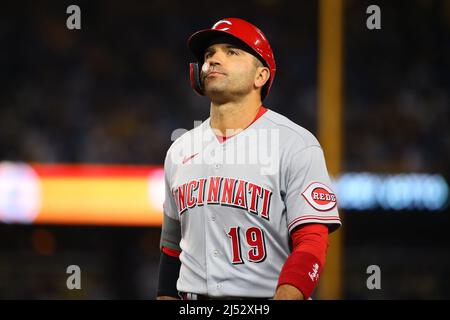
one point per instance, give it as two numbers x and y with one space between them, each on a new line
223 90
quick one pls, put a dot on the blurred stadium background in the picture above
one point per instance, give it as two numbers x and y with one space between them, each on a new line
86 118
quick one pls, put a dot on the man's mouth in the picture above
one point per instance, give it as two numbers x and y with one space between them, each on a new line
213 74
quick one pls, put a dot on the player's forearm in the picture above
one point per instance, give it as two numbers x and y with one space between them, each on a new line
169 269
301 271
288 292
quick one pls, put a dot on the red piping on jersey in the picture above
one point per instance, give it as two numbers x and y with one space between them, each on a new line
171 252
312 217
261 111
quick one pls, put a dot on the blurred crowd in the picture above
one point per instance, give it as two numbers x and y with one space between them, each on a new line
398 89
114 91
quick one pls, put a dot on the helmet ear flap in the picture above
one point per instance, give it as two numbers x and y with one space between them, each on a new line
194 73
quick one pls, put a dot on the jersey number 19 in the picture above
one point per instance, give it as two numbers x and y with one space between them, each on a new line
255 239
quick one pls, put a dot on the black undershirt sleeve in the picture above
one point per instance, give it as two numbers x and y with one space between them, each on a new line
169 270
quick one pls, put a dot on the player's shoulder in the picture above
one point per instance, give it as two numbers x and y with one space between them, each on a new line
291 133
186 141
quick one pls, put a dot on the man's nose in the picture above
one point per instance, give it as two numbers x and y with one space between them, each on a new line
215 58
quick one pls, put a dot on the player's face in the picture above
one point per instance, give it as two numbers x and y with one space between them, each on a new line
228 71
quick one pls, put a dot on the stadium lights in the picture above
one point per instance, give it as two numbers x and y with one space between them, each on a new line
134 195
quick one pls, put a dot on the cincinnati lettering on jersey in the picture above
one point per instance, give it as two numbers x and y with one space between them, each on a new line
223 191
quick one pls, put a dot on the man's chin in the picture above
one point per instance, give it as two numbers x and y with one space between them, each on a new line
216 95
212 90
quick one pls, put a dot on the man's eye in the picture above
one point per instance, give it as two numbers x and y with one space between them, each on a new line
232 52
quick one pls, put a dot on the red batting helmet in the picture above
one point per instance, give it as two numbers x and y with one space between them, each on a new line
245 33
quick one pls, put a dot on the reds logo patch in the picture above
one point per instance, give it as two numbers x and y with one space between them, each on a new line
319 196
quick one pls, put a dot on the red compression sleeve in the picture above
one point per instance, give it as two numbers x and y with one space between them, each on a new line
171 252
304 265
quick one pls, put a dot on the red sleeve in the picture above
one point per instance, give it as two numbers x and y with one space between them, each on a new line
171 252
303 267
311 238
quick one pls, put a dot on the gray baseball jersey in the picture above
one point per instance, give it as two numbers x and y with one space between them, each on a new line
230 207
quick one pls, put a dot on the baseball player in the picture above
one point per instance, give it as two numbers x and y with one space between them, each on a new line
248 201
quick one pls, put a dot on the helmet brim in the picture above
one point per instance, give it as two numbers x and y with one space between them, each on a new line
201 40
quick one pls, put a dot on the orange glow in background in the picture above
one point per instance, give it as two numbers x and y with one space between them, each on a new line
81 194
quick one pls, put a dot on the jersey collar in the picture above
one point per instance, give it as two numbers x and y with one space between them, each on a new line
222 139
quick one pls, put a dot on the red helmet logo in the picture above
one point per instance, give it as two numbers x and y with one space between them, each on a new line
226 24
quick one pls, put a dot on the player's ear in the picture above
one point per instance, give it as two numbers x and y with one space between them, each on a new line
262 76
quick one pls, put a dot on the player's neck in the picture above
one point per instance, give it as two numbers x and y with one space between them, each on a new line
230 117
